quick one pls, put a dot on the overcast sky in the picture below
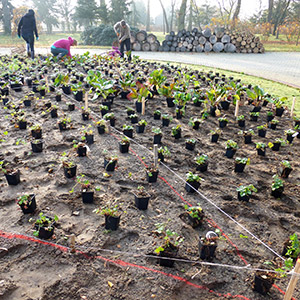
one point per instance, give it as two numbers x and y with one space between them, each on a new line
249 7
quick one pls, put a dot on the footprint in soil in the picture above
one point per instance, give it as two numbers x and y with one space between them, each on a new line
124 240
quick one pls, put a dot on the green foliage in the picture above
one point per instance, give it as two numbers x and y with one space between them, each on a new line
109 210
191 177
260 145
176 129
230 144
156 130
44 222
286 164
201 160
196 212
277 183
246 190
244 160
164 151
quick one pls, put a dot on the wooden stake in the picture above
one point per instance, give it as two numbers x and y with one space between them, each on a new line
155 155
293 282
108 127
143 106
293 106
86 102
237 107
72 243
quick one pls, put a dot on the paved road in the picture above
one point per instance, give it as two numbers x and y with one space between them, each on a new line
282 67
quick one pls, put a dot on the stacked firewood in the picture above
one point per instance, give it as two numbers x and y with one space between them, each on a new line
142 41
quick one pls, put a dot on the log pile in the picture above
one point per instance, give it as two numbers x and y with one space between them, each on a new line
141 41
207 40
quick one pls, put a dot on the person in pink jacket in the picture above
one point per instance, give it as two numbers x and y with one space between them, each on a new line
62 47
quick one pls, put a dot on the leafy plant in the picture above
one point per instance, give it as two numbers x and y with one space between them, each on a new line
244 160
164 151
249 132
167 117
24 200
262 127
223 119
230 144
109 210
124 141
260 145
139 93
196 212
156 131
142 122
254 114
240 118
176 130
44 222
202 159
286 164
127 127
277 183
191 177
246 190
190 141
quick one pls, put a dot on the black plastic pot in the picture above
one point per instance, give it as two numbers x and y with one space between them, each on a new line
22 125
262 132
190 146
37 147
153 178
192 186
29 82
81 151
66 89
5 101
140 128
13 178
289 138
241 123
52 88
156 116
262 283
248 139
128 133
212 111
177 135
53 113
112 122
239 168
276 146
277 193
285 172
261 152
206 252
111 222
225 105
31 207
254 118
256 109
70 172
170 102
124 94
134 120
243 198
157 139
104 112
101 129
270 118
141 202
202 168
27 102
214 138
37 134
168 252
62 126
230 152
79 96
34 87
138 106
222 124
279 111
87 197
85 116
196 125
165 122
89 138
42 93
124 148
109 165
58 98
272 126
71 107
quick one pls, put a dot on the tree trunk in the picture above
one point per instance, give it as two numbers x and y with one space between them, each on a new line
6 17
237 10
165 17
190 25
270 10
280 15
181 15
172 14
148 17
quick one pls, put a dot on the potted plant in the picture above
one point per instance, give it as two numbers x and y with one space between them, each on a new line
71 106
112 216
27 203
270 116
291 248
12 175
208 245
275 146
85 114
163 152
78 90
190 144
223 121
263 281
195 215
69 167
37 145
141 198
261 148
157 135
254 116
241 120
36 131
168 92
245 192
195 122
273 124
240 164
111 117
134 118
180 112
139 94
130 111
124 145
277 187
44 226
247 135
202 162
81 148
231 147
152 173
157 114
290 135
103 109
192 182
110 162
296 120
262 130
128 130
285 169
88 134
169 249
166 119
101 126
279 104
140 127
215 134
22 122
176 131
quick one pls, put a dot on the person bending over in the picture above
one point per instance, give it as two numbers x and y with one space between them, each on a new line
62 47
122 30
27 28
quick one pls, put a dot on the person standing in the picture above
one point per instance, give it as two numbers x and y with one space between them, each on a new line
27 28
122 30
62 47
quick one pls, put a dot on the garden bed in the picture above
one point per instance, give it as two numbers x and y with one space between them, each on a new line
30 269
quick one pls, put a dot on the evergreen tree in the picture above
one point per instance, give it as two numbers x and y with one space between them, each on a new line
102 12
6 15
86 12
119 10
47 12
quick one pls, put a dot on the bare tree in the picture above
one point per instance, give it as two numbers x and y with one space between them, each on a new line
165 17
270 10
226 12
280 14
148 17
66 11
237 10
181 15
173 3
190 24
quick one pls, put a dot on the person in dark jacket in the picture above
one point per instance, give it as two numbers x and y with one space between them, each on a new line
122 30
27 28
